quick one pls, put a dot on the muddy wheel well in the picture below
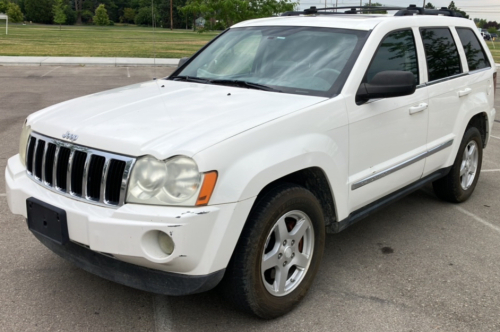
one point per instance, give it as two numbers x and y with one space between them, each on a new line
480 121
315 180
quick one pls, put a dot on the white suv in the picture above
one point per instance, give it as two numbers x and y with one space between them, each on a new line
234 167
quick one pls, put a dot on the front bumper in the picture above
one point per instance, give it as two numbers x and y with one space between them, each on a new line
204 237
132 275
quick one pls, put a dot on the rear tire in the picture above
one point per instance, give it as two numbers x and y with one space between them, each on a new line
278 253
459 184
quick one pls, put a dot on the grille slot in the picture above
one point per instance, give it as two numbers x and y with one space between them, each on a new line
96 168
79 172
114 181
40 147
49 163
62 168
30 154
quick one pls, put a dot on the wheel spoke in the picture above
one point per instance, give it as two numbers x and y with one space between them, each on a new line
281 277
463 169
300 260
270 259
281 230
472 149
299 230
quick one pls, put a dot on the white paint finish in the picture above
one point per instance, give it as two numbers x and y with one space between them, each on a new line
477 218
128 73
495 137
179 118
203 236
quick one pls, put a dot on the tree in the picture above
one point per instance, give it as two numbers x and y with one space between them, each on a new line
480 22
101 15
144 17
78 9
456 9
58 10
491 24
14 12
128 15
4 6
375 4
429 6
39 11
492 30
229 12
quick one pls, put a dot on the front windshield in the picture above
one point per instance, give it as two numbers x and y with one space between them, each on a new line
300 60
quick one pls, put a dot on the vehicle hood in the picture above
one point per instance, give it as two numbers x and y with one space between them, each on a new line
164 118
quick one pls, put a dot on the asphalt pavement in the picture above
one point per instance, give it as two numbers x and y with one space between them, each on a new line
419 265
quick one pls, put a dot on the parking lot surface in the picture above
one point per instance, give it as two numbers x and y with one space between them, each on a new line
419 265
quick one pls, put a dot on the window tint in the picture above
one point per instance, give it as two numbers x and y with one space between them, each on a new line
441 53
476 58
396 52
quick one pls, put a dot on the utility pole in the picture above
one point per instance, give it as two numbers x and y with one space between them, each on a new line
171 15
424 4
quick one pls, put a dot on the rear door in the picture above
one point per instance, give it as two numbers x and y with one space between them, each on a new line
448 88
386 135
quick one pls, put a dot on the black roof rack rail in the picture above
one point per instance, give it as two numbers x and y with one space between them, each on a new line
402 11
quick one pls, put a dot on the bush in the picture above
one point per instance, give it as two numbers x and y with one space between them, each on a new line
143 17
14 12
128 15
101 16
70 15
87 16
38 11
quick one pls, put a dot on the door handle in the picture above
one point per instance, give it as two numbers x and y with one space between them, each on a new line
465 92
419 108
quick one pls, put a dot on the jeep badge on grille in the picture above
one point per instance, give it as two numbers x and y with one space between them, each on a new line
70 136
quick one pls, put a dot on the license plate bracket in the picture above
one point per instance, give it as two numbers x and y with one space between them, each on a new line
47 220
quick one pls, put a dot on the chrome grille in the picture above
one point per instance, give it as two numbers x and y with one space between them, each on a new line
79 172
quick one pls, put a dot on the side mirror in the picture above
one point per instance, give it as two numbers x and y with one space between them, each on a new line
387 84
182 61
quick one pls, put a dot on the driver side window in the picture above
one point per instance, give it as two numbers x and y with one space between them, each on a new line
397 51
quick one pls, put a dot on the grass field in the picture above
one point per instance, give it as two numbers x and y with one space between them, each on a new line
114 41
93 41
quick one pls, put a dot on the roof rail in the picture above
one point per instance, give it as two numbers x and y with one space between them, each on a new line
402 11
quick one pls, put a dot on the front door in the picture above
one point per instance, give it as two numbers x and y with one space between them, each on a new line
387 136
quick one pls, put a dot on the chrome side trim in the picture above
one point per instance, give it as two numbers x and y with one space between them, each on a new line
441 80
129 161
402 165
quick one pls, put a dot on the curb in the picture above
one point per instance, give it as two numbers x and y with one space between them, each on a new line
86 61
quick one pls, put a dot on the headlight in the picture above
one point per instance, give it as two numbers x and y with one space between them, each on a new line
23 142
175 181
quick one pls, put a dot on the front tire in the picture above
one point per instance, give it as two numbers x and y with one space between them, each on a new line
278 253
459 184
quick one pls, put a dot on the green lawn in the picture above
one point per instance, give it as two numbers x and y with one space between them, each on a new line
495 50
113 41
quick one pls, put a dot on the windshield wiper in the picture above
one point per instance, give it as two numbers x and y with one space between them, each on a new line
190 79
244 84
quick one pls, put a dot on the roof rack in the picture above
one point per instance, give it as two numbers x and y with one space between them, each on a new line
402 11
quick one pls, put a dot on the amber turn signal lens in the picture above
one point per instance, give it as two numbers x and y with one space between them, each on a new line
207 188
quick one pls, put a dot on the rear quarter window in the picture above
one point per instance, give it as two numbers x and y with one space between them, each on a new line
476 57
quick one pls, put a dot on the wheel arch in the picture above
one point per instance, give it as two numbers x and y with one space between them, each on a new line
315 180
481 122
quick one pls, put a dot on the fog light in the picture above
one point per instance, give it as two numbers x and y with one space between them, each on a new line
166 243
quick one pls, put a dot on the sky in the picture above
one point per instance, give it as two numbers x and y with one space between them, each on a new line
487 9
